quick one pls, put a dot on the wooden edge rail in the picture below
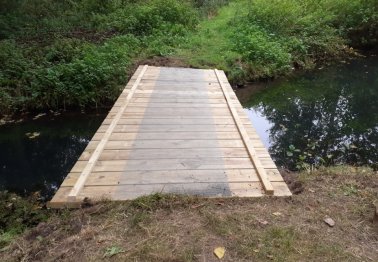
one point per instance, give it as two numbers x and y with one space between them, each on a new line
100 147
267 185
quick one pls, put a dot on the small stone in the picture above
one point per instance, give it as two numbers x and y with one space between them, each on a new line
329 221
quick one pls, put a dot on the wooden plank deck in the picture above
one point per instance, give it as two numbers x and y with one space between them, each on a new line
173 130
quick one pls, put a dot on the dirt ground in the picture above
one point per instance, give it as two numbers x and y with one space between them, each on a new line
183 228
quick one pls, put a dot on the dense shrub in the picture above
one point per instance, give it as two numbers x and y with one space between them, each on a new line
142 19
53 62
70 73
273 36
264 54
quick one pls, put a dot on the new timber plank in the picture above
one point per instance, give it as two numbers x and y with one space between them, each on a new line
171 121
157 144
176 176
167 164
189 153
173 130
170 128
170 135
251 151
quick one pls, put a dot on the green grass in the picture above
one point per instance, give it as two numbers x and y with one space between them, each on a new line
210 45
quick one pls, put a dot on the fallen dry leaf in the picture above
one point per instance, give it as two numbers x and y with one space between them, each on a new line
39 116
197 206
219 252
263 222
32 135
329 221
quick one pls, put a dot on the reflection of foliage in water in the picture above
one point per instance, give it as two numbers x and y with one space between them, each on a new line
325 117
42 163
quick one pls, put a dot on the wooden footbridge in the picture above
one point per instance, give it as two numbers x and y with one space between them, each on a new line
173 130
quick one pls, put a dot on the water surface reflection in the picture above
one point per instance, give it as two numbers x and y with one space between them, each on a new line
329 116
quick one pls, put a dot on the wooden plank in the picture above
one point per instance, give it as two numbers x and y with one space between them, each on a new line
178 92
158 116
169 128
172 143
168 176
179 79
166 144
177 105
147 153
256 162
166 164
182 88
180 111
185 95
170 136
92 161
171 121
179 100
171 176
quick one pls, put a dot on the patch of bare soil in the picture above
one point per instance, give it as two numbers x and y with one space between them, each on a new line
163 61
178 228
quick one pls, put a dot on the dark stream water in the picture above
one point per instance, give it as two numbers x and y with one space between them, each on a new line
28 165
328 116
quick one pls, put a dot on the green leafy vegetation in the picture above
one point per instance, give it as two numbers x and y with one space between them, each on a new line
262 39
276 36
58 54
74 54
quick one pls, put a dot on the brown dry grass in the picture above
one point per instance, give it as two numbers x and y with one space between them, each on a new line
178 228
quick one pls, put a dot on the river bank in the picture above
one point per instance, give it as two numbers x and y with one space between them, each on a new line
181 228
